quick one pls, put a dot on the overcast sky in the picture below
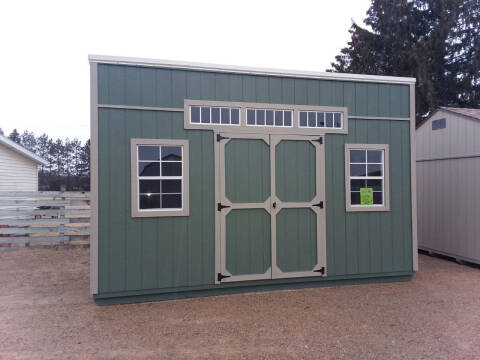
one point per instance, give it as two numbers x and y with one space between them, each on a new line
44 72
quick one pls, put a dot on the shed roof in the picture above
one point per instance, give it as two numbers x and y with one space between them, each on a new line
21 150
173 64
473 113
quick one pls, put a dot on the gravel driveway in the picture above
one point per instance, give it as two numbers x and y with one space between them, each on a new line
46 312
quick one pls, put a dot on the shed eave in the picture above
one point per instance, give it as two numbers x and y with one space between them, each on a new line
21 150
184 65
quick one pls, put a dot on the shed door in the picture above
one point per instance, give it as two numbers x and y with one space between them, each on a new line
270 222
298 202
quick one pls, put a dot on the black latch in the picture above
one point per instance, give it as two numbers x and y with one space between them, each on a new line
220 277
220 206
220 137
274 204
321 271
320 205
320 140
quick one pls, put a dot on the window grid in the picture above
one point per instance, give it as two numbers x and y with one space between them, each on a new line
215 115
160 179
367 177
320 119
269 117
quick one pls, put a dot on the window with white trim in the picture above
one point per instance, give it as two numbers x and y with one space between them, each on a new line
320 119
213 115
269 117
367 177
159 177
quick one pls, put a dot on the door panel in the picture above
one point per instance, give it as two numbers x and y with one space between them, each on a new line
247 170
296 240
295 171
248 241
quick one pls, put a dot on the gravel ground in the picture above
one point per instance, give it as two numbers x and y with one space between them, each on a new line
46 312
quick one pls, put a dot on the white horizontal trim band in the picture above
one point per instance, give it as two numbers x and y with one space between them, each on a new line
121 60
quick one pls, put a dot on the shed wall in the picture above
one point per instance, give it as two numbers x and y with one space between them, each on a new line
448 169
178 253
17 173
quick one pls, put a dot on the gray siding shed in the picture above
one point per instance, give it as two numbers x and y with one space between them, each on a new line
448 169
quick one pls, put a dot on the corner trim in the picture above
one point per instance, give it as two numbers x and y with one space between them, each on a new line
413 179
93 179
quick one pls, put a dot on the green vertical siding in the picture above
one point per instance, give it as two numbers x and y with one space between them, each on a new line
144 254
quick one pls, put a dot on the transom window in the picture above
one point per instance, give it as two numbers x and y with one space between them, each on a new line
158 177
366 176
320 119
269 117
214 115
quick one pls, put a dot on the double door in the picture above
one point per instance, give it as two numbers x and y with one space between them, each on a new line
270 207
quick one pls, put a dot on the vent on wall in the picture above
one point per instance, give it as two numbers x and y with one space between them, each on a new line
439 124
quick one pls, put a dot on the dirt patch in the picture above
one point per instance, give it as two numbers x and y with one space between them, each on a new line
46 312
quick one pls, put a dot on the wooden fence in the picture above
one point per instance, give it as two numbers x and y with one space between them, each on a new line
44 218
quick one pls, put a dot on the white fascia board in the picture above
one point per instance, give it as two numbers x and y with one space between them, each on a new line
21 150
120 60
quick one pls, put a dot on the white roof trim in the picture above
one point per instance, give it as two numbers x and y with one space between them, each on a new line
120 60
21 150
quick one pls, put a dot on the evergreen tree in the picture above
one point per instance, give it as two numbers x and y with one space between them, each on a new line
435 41
14 136
1 132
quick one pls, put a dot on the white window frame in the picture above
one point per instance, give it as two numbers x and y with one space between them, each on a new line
135 178
210 116
324 119
255 110
385 177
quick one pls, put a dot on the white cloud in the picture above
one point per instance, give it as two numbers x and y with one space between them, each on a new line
44 71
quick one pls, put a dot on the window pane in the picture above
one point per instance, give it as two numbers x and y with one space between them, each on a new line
171 201
278 118
205 115
195 114
337 117
235 116
377 198
374 169
357 156
171 186
148 168
250 117
149 201
374 156
173 153
287 118
355 198
225 116
171 169
320 119
260 117
303 118
215 115
357 170
149 186
312 119
329 119
356 184
148 153
269 117
375 184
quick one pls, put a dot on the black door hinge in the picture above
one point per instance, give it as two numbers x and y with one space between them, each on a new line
220 137
220 277
321 270
220 206
320 140
320 205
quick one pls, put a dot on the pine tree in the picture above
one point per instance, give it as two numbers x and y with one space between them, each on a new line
14 136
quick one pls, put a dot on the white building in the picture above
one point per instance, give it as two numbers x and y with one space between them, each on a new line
18 167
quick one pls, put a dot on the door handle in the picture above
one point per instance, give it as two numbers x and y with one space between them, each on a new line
274 204
320 205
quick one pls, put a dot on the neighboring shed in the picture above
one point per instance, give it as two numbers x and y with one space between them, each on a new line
448 174
18 167
210 179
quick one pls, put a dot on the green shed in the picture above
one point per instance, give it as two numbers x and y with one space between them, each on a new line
210 179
